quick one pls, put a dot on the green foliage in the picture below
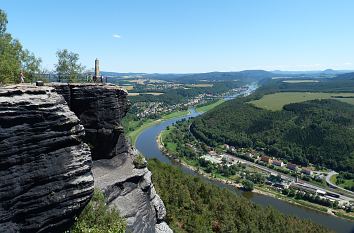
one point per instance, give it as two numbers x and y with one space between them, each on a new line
195 206
98 218
30 65
13 58
247 185
68 66
3 22
318 131
345 180
139 161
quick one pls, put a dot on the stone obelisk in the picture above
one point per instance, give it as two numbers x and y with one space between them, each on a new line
97 70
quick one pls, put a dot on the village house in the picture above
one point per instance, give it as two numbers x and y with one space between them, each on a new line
278 163
213 153
307 171
266 159
291 166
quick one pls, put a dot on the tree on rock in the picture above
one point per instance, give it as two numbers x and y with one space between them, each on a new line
68 65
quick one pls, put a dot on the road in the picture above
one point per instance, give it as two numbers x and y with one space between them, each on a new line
328 180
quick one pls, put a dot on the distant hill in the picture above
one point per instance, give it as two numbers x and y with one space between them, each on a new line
246 75
312 72
116 74
349 76
337 83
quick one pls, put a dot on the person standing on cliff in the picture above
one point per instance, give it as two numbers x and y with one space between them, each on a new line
22 77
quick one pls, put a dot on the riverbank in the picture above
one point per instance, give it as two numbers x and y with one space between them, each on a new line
133 135
208 107
263 190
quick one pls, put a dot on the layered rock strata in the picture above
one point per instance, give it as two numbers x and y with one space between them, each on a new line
130 190
48 136
100 109
45 167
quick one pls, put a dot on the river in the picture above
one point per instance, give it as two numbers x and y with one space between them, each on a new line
147 145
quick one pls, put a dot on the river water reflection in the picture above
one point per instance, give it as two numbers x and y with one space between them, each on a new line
147 145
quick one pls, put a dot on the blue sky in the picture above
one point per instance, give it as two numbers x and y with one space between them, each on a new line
189 35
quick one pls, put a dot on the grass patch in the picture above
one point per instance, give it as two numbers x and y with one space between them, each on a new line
133 135
97 217
148 123
127 87
208 107
334 179
171 147
276 101
344 215
175 114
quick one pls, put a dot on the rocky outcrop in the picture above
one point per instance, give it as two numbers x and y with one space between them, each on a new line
45 168
100 109
48 136
129 189
132 192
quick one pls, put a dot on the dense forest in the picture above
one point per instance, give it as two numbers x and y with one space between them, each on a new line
195 206
319 131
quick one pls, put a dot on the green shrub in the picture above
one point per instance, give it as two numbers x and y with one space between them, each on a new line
97 217
139 161
248 185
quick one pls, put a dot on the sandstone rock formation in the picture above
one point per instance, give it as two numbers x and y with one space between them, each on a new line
100 109
46 144
45 168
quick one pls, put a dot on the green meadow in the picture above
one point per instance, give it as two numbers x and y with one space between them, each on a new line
276 101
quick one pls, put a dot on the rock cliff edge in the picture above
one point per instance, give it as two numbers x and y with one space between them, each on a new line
56 144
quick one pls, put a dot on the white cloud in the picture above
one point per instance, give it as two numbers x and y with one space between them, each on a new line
347 64
117 36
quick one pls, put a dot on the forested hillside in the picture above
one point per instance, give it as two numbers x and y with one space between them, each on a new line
319 131
341 83
194 206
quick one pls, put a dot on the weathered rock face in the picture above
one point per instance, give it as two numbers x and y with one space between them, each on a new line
100 109
130 190
45 163
45 168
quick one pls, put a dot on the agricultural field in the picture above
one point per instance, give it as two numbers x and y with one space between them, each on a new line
146 93
200 85
301 81
127 87
276 101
